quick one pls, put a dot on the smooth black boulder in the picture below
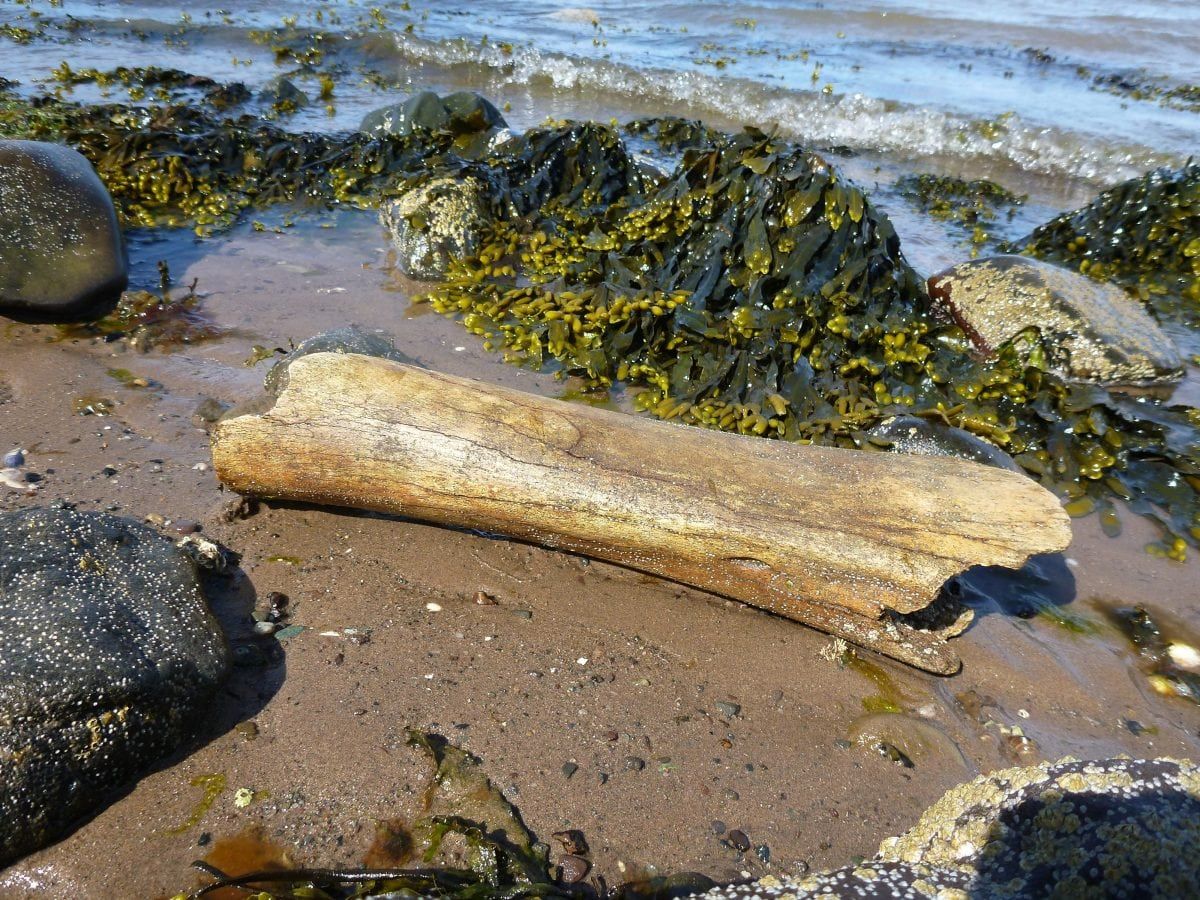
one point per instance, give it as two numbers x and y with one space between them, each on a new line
109 656
460 113
62 257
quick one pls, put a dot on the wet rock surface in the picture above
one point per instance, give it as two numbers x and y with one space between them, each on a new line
1113 828
434 223
462 112
108 657
61 252
910 434
340 340
1090 331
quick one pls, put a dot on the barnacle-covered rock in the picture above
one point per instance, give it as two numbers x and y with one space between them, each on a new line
61 252
911 434
461 113
108 656
1080 328
435 222
1114 828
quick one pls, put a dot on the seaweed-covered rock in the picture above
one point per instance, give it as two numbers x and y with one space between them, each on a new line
108 656
436 222
61 252
1087 330
910 434
341 340
1114 828
462 113
1143 234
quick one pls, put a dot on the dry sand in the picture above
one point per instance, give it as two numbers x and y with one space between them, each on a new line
577 662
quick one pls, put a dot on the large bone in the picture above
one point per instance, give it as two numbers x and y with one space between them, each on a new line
847 542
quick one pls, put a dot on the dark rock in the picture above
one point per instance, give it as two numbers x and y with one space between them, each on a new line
435 222
342 340
573 869
210 409
62 257
108 657
635 763
283 95
739 841
1091 331
569 769
910 434
460 113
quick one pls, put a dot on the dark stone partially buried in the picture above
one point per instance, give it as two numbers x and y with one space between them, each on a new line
62 257
108 657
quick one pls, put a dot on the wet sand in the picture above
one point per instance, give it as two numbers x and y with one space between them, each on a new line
609 665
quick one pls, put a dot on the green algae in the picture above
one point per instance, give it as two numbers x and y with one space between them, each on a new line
213 786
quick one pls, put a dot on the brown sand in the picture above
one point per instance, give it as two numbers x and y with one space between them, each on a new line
610 664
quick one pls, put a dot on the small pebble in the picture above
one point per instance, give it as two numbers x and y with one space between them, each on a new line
522 614
635 763
433 607
156 520
185 526
14 459
247 729
483 598
265 628
572 869
569 769
739 841
109 471
727 709
718 826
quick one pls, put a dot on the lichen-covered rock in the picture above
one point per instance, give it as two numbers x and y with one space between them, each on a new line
910 434
108 657
62 256
462 113
435 222
1069 829
1090 331
341 340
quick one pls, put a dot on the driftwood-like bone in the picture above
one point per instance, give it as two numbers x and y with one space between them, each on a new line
847 542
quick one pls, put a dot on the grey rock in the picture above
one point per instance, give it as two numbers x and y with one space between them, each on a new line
435 222
1093 332
341 340
109 655
460 113
14 459
62 257
727 709
282 94
910 434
